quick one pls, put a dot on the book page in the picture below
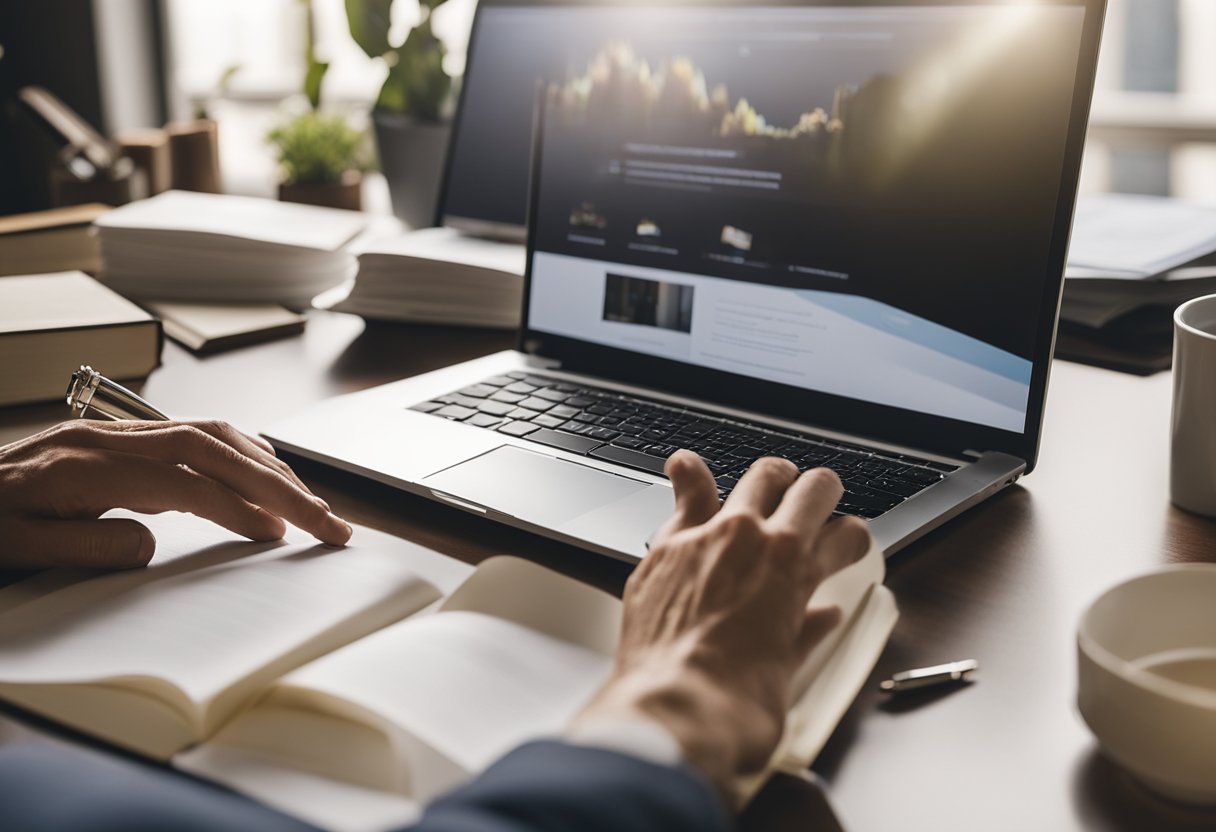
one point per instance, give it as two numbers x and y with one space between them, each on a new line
238 217
205 631
447 692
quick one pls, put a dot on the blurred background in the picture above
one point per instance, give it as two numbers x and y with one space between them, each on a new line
129 64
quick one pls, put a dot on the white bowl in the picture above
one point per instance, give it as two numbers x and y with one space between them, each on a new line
1146 654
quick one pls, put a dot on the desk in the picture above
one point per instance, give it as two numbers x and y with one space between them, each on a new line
1004 584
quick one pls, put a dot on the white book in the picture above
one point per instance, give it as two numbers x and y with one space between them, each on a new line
350 686
439 275
187 246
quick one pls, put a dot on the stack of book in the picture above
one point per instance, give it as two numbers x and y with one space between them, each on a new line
58 240
210 247
1132 261
50 324
438 275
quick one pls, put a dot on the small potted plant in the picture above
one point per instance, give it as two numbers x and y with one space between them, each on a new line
409 116
321 160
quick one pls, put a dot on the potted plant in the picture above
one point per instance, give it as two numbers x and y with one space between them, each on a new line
409 114
321 157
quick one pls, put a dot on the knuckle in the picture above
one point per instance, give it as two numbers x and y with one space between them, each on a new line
742 524
786 542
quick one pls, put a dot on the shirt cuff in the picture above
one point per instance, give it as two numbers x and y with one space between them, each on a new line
636 737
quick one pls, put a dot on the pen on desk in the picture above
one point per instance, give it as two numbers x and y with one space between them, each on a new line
93 396
923 677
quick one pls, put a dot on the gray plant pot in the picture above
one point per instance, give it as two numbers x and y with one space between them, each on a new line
412 154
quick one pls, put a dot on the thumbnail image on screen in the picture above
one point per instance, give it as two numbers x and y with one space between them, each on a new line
634 300
861 198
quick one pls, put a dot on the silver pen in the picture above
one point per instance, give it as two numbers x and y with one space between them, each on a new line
93 396
923 677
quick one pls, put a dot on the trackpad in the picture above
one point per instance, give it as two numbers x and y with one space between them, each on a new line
532 486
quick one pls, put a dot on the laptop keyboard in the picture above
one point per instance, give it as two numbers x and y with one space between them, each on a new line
639 433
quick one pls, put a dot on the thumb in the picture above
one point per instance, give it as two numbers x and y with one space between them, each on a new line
116 543
816 624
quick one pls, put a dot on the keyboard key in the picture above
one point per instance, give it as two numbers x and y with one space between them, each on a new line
517 375
427 407
897 487
536 404
509 398
455 411
547 421
575 427
538 381
632 459
605 434
865 498
626 441
463 401
495 408
920 476
553 395
589 418
520 387
563 412
521 414
566 441
478 391
498 381
518 428
727 482
580 401
483 420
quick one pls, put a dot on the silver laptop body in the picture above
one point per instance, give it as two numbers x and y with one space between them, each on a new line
920 325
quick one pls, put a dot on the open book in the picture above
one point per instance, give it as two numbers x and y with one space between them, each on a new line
350 686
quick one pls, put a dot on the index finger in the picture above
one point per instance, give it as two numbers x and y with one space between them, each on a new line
695 490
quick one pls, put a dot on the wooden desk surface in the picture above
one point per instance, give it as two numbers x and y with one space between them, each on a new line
1004 584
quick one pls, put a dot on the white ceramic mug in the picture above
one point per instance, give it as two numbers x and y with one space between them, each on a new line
1193 438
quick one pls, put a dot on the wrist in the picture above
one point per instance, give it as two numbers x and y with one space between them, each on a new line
717 733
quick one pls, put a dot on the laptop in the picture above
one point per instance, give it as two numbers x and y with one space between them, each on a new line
831 233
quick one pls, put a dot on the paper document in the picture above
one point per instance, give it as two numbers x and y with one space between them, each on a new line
1121 235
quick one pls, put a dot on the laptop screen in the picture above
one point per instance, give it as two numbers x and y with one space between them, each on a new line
858 202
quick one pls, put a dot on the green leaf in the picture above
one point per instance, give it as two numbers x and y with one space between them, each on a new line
369 22
312 81
417 84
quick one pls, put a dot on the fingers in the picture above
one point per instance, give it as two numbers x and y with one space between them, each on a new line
816 624
695 491
252 446
255 483
761 487
808 503
119 480
116 543
843 542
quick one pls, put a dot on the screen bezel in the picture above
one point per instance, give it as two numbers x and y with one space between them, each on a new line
884 423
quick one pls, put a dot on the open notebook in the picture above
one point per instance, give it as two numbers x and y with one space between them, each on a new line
350 686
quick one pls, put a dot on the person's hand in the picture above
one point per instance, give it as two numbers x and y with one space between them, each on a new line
55 485
716 620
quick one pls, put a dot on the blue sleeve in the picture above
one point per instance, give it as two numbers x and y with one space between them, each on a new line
554 787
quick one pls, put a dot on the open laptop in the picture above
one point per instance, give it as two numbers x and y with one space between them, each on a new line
830 233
